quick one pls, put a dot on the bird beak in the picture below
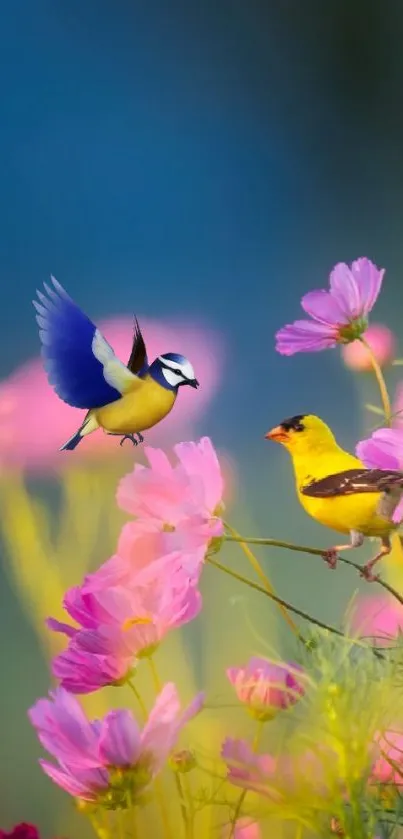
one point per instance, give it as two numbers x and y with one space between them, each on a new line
193 383
277 434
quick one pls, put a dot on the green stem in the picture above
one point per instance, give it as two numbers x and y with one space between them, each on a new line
138 697
155 677
380 379
315 552
187 825
159 792
264 579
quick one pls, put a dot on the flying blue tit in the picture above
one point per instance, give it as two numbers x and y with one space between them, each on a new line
84 371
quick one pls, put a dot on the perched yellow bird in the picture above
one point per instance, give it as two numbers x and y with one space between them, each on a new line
336 489
84 371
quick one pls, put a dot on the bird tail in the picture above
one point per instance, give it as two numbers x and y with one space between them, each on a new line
90 424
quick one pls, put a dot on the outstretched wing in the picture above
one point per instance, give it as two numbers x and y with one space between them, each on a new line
80 364
353 482
138 362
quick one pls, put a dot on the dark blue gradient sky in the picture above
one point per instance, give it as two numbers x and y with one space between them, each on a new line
212 160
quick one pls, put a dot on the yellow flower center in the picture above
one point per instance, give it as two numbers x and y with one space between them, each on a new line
130 622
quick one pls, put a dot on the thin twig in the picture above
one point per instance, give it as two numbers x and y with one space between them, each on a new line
315 552
274 597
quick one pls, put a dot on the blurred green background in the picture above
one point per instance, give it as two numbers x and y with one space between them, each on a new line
197 163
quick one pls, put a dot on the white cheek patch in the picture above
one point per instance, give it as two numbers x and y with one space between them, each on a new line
171 377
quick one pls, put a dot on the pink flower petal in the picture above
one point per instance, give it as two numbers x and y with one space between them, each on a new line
119 743
97 781
398 514
346 292
323 307
305 336
368 279
383 450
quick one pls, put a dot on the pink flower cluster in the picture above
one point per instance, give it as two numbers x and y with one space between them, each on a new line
121 613
150 586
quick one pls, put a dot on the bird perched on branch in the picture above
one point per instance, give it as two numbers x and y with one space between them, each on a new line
336 489
84 371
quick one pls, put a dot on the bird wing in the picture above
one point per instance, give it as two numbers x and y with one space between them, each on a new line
80 364
353 482
138 361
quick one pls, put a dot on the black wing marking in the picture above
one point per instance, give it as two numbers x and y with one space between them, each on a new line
354 481
138 358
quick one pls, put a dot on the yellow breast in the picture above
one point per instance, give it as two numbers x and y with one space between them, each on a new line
343 513
138 409
348 512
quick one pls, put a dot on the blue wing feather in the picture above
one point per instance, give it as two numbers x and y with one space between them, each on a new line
66 334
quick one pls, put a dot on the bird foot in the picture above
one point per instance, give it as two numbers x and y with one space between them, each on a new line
132 438
366 573
331 556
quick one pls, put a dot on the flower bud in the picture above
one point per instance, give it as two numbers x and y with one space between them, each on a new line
182 761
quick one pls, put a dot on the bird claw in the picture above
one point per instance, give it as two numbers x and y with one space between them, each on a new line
331 556
366 573
132 438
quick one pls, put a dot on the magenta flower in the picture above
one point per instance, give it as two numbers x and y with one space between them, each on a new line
21 831
384 450
92 755
118 625
266 687
186 498
338 315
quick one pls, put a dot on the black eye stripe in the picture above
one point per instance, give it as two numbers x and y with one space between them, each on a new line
174 370
293 423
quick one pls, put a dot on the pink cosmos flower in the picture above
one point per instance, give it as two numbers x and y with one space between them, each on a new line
35 445
90 754
384 448
247 769
244 829
379 617
183 502
266 687
278 778
382 342
338 315
118 625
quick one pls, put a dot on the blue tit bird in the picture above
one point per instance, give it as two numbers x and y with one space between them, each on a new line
85 372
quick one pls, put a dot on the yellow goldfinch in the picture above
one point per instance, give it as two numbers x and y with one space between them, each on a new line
336 489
